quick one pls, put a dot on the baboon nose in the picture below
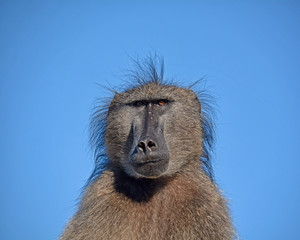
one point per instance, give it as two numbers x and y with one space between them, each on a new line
146 145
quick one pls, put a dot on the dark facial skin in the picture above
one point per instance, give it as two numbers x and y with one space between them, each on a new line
149 155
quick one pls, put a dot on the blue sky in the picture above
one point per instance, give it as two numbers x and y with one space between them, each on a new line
54 53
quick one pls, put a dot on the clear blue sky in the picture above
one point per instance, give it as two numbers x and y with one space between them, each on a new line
53 54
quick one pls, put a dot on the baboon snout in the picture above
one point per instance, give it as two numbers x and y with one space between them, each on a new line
149 149
150 157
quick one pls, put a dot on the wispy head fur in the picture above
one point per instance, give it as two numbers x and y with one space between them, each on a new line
149 70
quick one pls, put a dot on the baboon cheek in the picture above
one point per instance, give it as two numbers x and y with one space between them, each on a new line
183 151
116 147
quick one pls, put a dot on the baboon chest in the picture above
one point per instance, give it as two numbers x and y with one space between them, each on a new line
148 221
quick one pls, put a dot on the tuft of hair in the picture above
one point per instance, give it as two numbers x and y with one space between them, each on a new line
208 129
148 70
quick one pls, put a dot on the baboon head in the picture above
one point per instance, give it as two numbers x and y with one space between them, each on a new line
153 129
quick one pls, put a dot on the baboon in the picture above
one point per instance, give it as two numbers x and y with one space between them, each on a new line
153 178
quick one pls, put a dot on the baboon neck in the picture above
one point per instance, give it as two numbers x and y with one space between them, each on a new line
137 189
144 189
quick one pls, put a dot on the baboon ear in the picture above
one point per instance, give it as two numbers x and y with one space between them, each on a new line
116 98
117 95
191 93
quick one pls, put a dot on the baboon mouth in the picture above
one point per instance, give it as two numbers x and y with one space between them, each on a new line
146 162
141 160
150 167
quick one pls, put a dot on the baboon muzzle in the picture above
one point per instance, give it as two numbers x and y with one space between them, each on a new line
149 156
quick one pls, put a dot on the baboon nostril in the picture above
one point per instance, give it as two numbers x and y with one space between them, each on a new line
142 145
151 144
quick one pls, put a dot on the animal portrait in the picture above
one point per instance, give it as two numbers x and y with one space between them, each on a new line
150 120
153 177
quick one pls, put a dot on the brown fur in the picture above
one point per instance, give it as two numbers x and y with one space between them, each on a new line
182 203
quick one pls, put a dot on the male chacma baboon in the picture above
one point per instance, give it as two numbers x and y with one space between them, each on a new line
152 178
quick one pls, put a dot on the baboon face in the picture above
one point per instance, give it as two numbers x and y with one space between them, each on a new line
153 130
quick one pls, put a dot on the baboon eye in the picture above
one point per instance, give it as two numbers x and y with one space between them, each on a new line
139 104
162 102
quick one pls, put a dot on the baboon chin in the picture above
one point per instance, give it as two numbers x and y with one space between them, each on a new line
153 178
